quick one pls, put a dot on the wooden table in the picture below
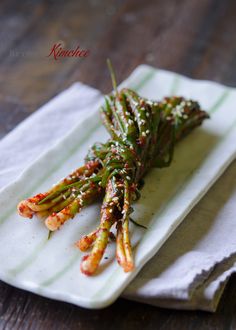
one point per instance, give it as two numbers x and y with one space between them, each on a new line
193 37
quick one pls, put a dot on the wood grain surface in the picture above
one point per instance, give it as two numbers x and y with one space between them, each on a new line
192 37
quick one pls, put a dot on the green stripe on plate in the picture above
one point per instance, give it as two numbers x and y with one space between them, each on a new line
175 85
61 272
148 76
219 101
30 259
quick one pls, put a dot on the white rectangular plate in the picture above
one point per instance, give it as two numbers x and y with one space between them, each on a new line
52 267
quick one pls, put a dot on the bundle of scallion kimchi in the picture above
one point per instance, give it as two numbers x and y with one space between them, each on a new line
143 134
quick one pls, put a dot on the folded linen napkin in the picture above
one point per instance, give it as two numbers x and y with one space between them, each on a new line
191 269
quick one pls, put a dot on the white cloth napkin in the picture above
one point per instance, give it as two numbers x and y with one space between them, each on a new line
192 268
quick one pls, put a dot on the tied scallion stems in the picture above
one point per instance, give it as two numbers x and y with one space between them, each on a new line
143 134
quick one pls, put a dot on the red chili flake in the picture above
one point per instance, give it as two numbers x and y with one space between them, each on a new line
118 259
22 208
141 141
133 187
85 257
87 239
142 103
90 164
92 185
112 236
37 198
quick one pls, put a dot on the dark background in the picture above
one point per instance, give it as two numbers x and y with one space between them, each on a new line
192 37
